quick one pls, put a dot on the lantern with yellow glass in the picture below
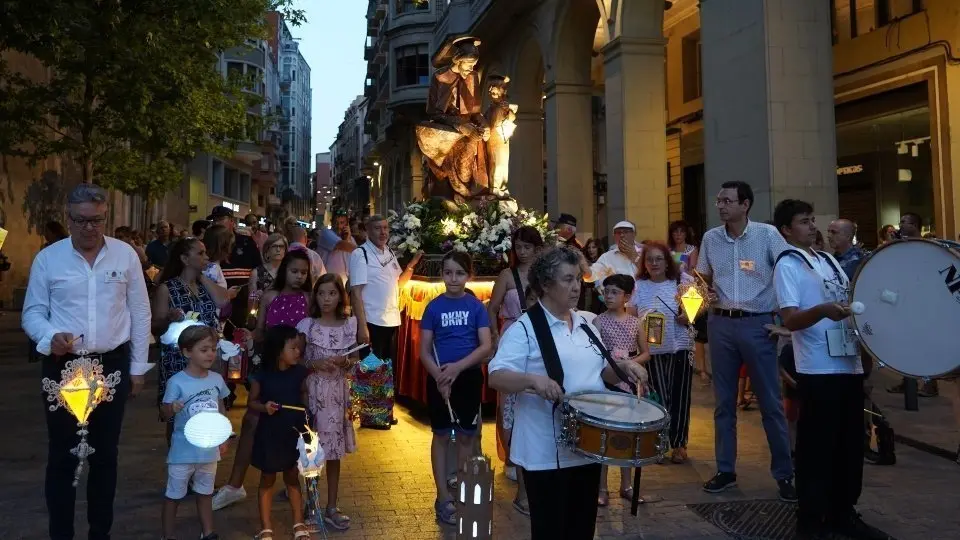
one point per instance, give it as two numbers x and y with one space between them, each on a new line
692 299
81 388
653 325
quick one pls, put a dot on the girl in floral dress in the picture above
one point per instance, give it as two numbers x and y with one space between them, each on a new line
330 332
622 334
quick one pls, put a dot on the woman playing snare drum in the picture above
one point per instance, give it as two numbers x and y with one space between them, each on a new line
562 487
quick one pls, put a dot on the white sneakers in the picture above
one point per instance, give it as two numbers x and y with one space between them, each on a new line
228 495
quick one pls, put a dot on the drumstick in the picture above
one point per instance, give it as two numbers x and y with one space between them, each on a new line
293 408
355 349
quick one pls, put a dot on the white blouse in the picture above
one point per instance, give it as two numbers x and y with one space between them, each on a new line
536 424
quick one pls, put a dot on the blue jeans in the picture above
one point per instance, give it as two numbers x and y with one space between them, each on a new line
744 340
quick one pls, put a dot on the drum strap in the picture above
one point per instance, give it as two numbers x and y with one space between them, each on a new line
548 348
840 276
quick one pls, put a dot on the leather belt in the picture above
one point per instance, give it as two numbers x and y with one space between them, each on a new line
737 313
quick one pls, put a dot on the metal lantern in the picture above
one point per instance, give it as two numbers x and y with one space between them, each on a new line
310 464
475 499
692 298
236 359
653 325
82 387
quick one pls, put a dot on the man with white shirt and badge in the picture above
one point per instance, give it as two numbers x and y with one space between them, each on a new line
87 292
737 258
812 293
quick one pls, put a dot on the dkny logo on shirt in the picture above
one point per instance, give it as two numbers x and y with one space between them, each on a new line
454 318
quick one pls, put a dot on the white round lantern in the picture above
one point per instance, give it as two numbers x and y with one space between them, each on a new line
207 429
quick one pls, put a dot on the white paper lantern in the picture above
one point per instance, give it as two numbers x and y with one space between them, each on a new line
173 332
207 429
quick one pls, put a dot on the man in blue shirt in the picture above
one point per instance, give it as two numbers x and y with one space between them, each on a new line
840 235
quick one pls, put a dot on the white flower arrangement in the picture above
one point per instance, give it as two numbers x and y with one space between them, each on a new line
484 230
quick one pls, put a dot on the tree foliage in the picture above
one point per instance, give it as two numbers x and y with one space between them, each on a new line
134 90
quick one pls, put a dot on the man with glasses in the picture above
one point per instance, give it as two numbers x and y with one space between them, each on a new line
87 292
738 259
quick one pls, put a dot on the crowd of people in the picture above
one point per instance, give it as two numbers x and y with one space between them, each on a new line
561 319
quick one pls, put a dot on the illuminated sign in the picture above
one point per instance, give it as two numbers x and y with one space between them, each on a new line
850 169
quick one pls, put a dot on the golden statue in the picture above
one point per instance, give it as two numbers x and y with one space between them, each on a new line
453 139
501 117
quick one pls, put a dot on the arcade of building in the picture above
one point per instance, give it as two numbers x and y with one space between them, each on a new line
640 109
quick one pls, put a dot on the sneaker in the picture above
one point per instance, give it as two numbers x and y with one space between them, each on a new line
228 495
785 490
854 527
720 482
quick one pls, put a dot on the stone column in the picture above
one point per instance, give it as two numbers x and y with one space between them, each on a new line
525 181
570 153
768 101
636 134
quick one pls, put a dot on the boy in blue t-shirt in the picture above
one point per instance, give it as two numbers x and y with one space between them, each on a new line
454 341
194 390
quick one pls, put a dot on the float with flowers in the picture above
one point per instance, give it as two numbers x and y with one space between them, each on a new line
436 227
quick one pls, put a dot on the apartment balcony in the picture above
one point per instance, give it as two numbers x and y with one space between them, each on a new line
248 152
381 11
369 90
368 53
273 200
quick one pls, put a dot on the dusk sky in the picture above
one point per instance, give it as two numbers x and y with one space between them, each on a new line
332 42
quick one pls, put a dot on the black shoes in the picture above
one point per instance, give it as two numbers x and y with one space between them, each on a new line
785 490
720 482
853 526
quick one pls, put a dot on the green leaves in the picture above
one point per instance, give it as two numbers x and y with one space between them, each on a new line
132 89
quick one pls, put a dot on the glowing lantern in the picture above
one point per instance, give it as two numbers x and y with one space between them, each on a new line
207 428
653 325
692 302
234 355
170 337
82 387
475 499
310 465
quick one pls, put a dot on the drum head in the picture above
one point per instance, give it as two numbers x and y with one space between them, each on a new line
617 408
910 291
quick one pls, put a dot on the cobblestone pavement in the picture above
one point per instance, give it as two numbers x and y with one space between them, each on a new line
387 489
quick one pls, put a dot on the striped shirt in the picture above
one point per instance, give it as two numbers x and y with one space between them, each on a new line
742 268
647 296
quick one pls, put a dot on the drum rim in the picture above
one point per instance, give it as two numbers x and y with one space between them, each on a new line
639 427
942 243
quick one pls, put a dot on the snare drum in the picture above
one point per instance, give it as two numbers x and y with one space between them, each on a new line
614 428
910 291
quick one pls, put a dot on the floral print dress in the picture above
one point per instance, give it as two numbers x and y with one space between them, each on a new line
329 392
620 336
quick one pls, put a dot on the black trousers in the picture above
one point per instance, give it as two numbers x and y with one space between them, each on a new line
563 502
104 426
671 375
829 447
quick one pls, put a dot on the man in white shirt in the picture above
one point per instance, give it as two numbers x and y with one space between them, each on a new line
622 258
375 282
811 292
738 259
87 292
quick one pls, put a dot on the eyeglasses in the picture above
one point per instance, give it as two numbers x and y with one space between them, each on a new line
92 223
726 202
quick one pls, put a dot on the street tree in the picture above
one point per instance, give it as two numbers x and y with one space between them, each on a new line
134 90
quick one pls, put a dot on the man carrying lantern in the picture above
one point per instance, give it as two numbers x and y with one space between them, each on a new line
87 293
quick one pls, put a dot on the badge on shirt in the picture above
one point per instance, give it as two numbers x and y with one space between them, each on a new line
747 265
114 276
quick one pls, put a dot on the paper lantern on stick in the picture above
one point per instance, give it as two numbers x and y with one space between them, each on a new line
475 499
653 325
173 332
692 302
81 388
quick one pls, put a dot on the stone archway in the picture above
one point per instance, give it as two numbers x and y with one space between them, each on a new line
566 32
526 71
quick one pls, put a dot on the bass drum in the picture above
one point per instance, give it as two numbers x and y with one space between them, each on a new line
910 291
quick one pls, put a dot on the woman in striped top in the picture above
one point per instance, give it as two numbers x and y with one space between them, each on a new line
670 365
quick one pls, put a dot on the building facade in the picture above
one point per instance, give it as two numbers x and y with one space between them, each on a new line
295 125
350 178
640 110
400 35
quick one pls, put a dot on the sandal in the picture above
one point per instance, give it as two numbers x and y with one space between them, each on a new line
266 534
446 512
336 519
604 498
302 533
628 495
522 507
